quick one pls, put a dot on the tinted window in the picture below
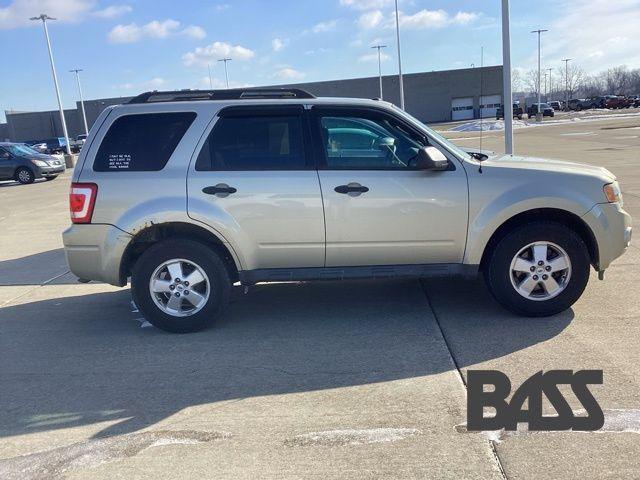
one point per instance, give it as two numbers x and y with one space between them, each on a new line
368 143
142 143
254 143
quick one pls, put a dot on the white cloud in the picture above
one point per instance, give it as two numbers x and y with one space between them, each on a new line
323 27
373 57
194 31
152 84
598 34
112 11
288 73
211 53
370 19
132 32
278 44
366 4
17 13
421 20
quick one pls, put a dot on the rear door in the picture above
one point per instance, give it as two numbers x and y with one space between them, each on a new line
254 179
6 164
380 209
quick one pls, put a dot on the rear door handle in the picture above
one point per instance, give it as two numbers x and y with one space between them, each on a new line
352 189
220 190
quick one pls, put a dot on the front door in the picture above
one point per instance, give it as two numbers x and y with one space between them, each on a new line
255 181
380 209
6 164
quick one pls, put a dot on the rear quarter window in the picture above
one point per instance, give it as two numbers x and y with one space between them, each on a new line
141 142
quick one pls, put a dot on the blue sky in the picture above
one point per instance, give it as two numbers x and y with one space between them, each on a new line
129 46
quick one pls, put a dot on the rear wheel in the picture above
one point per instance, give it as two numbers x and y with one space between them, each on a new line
25 175
539 269
180 286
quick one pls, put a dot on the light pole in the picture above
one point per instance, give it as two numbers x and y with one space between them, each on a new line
226 72
539 32
507 100
43 17
210 81
550 84
379 48
399 58
566 82
84 115
545 85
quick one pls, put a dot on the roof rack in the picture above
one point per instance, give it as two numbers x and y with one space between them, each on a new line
231 94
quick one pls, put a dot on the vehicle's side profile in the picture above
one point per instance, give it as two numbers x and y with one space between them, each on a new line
186 193
23 164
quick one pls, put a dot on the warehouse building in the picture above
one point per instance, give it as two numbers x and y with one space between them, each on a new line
431 97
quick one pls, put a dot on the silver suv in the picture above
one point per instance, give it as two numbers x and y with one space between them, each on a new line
188 192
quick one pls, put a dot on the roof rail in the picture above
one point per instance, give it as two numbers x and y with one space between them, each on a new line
231 94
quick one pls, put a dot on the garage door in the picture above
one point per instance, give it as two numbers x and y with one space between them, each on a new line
462 108
489 105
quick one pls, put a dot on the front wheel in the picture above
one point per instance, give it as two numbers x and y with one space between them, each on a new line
25 176
539 269
180 286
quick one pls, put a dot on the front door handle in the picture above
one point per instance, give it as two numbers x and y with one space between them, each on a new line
220 190
352 189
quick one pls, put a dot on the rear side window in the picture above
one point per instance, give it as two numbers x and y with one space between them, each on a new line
254 143
143 142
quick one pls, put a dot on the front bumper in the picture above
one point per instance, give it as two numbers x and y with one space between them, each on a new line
95 251
612 228
49 171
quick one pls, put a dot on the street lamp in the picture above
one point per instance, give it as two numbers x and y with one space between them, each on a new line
379 48
539 32
399 58
84 115
550 84
210 80
566 81
226 72
506 80
43 17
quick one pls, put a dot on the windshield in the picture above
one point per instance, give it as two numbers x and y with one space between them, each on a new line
433 134
20 150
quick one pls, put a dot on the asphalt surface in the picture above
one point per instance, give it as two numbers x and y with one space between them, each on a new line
327 380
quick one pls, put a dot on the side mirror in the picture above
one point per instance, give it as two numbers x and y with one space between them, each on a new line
430 158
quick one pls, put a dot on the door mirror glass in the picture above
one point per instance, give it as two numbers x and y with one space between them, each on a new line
430 158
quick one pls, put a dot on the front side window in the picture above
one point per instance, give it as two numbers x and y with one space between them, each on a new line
373 142
142 142
254 143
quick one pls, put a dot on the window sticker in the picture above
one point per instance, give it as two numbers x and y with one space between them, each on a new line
120 161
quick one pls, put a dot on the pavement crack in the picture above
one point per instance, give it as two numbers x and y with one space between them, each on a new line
492 444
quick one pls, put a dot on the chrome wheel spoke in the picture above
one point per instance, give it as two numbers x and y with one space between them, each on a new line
559 263
160 286
540 252
522 265
194 278
195 299
175 270
528 285
174 303
551 285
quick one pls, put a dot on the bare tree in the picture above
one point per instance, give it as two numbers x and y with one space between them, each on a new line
570 79
516 80
531 81
618 80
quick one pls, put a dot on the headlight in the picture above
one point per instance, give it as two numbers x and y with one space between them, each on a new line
613 193
40 163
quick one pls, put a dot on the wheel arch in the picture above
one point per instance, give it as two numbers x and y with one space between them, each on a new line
175 230
563 217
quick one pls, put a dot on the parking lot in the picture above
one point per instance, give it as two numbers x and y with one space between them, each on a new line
319 380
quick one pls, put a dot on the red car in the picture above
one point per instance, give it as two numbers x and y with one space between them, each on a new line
614 101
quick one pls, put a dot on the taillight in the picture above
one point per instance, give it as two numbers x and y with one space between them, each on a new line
82 198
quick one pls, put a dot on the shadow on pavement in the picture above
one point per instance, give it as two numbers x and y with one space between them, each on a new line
34 269
80 360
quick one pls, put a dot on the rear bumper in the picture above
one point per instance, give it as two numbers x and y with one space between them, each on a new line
95 251
612 227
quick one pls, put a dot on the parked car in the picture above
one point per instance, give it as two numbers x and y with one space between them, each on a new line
20 162
555 104
545 109
634 100
517 112
615 101
257 185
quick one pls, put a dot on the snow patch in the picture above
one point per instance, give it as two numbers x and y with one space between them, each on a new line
487 126
352 437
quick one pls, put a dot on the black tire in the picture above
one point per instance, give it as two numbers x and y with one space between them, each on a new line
497 271
207 259
48 179
25 175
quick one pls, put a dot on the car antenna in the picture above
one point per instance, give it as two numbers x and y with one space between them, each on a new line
481 124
